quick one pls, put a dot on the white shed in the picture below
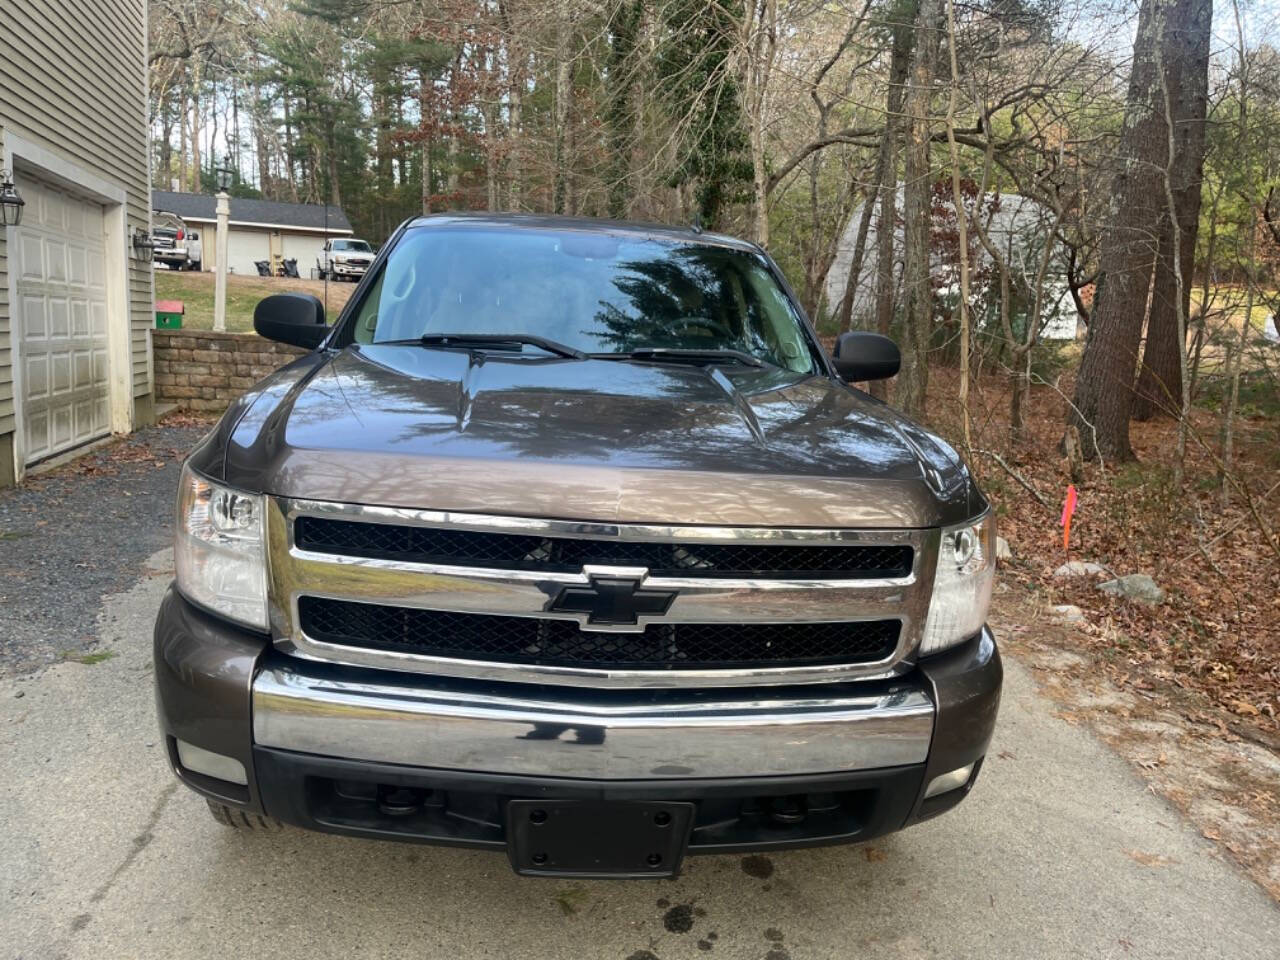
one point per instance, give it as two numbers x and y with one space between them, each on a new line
1016 226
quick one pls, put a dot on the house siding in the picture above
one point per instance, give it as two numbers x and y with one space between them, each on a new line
74 76
6 352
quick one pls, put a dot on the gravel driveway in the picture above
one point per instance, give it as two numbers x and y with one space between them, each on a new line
81 531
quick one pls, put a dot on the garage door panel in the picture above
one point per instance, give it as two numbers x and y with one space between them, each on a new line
84 418
63 323
30 258
53 211
59 374
35 319
35 377
60 434
59 314
37 434
98 319
96 270
77 265
55 260
82 370
76 219
80 328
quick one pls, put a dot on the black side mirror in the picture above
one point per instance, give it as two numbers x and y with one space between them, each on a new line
293 318
863 356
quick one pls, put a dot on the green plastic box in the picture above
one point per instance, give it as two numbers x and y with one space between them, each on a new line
169 314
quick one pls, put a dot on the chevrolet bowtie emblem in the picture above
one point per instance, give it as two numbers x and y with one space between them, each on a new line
612 601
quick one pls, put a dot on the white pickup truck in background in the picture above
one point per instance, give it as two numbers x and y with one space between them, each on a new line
344 259
176 245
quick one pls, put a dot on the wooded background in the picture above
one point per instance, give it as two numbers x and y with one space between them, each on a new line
1149 135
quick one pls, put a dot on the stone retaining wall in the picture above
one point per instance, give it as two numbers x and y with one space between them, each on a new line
202 370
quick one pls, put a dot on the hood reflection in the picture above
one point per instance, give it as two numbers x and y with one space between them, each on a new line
394 424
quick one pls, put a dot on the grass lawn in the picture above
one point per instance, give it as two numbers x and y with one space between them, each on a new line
195 290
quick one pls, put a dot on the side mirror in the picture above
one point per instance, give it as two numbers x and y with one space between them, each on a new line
293 318
863 356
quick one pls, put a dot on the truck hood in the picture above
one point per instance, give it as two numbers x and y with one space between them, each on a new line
593 440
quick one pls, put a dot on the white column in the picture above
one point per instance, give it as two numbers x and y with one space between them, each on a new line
220 267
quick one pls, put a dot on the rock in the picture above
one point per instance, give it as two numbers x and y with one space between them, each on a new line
1067 613
1080 568
1003 552
1135 586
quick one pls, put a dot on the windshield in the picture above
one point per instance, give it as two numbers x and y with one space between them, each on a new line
594 292
352 246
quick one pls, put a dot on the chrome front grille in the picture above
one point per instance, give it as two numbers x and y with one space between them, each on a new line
515 551
551 601
541 641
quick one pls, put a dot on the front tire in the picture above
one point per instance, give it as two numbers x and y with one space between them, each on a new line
241 820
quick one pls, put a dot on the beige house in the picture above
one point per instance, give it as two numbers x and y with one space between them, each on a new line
258 229
75 296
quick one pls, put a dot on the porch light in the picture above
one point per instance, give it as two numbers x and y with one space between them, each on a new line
143 245
11 202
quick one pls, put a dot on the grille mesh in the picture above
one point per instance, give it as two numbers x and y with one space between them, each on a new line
505 639
567 554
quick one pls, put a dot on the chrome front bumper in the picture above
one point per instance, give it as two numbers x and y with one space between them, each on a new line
446 725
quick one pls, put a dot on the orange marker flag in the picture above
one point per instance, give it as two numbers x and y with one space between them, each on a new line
1068 508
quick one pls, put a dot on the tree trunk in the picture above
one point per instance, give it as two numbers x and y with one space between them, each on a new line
913 380
1104 385
1185 56
196 126
515 105
760 32
887 220
166 144
563 93
335 190
455 133
620 117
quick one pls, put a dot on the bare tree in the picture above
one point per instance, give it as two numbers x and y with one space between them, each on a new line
1104 387
918 293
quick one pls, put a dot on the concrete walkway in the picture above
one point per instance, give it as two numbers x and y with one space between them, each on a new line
1059 852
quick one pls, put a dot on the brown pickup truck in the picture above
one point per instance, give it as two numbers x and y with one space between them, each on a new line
568 540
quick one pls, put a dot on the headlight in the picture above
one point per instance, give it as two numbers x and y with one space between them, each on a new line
220 552
962 584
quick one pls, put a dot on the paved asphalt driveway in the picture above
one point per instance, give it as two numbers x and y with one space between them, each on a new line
1060 852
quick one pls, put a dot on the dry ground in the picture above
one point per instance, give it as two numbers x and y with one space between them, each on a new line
1188 691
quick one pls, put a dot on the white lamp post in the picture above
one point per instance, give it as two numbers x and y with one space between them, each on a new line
220 276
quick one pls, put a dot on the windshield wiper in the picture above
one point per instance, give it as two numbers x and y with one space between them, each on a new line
497 340
677 355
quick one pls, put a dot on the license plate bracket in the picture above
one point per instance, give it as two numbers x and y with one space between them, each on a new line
597 838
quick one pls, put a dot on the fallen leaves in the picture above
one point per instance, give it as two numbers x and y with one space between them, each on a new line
1217 633
1150 859
1155 764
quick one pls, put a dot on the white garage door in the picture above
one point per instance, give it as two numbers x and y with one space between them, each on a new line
61 319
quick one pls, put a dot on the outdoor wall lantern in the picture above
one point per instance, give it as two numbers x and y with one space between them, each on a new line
225 177
11 202
143 245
